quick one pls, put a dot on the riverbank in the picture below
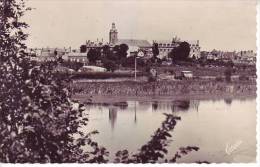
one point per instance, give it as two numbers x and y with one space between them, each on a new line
117 100
93 92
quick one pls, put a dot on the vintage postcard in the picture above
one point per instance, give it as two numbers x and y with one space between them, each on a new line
128 81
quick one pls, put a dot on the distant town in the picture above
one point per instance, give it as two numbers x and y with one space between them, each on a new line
139 56
135 45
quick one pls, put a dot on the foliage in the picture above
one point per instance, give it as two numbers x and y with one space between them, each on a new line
117 55
243 78
155 50
130 62
228 73
181 52
93 55
106 51
156 149
38 119
108 54
109 65
122 52
72 65
103 75
219 79
83 49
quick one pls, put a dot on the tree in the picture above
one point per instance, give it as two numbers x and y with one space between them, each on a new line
109 65
155 149
83 49
155 50
93 55
118 54
123 48
73 65
106 50
38 119
116 48
180 53
228 74
108 54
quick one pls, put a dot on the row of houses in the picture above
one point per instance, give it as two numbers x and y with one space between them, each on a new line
237 57
164 46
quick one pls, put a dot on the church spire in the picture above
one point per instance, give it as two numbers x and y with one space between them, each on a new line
113 34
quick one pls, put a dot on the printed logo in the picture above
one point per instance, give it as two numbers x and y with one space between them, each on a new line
230 148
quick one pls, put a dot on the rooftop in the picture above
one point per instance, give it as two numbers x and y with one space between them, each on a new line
134 42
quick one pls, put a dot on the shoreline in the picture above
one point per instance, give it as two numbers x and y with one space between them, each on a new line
160 91
97 99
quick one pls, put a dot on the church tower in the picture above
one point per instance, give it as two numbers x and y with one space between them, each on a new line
113 35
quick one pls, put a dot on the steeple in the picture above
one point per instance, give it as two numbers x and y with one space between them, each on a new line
113 35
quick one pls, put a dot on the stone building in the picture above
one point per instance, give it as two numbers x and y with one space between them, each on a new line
133 44
76 57
94 45
49 54
166 46
194 49
113 39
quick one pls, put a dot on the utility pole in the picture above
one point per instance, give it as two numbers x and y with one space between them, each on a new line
135 66
138 54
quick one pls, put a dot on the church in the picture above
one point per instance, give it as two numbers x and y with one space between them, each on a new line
133 44
139 44
114 40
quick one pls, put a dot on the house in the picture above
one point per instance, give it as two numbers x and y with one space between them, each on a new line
166 46
76 57
194 49
92 69
187 74
48 54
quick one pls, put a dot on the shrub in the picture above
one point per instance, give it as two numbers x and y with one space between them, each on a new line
243 78
219 79
103 75
155 149
228 73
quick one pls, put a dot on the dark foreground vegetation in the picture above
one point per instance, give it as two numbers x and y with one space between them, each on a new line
39 123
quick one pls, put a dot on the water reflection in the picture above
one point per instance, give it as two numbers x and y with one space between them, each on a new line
228 101
173 106
155 105
112 116
205 124
178 105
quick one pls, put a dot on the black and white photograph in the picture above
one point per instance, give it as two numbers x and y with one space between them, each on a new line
128 82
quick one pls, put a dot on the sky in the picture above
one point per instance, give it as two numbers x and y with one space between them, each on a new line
218 24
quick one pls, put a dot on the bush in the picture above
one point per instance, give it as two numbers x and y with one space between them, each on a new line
219 79
110 65
243 78
103 75
228 73
72 65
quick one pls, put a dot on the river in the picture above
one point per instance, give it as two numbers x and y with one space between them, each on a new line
224 130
